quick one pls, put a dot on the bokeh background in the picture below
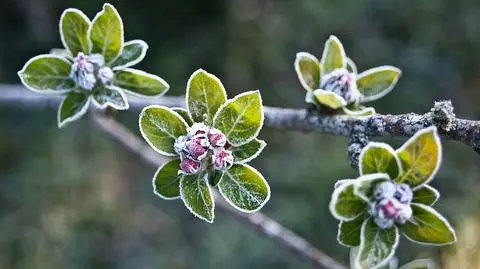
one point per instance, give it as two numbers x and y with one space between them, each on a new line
73 198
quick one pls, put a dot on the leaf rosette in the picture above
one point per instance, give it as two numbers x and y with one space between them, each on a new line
390 197
94 66
333 83
211 141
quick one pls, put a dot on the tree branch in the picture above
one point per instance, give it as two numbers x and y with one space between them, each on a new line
263 224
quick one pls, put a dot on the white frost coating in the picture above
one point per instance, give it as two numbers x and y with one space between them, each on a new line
436 137
365 178
145 48
362 245
97 16
342 83
352 64
360 113
298 57
365 99
438 215
238 208
74 117
189 82
263 144
420 262
145 136
152 76
62 37
338 97
342 181
106 104
190 208
48 91
383 146
262 116
332 38
334 200
154 187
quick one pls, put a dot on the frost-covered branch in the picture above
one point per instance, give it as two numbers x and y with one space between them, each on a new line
258 221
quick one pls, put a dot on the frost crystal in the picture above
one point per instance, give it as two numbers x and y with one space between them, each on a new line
391 204
201 148
88 69
342 83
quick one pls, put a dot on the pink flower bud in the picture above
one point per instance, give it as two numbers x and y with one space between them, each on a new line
389 210
217 138
222 159
190 166
196 150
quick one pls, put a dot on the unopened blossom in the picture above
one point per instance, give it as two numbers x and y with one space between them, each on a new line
217 138
222 159
342 83
189 166
87 70
105 74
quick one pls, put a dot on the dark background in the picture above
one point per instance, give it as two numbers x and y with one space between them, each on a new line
72 198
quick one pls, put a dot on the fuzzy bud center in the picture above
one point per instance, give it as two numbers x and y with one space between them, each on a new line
87 70
342 83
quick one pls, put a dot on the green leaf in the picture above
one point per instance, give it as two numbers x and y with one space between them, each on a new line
308 70
240 118
377 82
63 53
244 188
349 232
139 82
106 33
421 156
74 25
351 66
365 184
419 264
344 204
205 95
248 151
379 158
359 111
160 127
214 177
329 99
428 227
133 52
377 246
47 74
166 181
197 197
72 108
104 96
333 56
184 114
426 195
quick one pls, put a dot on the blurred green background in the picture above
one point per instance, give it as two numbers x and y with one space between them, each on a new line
73 198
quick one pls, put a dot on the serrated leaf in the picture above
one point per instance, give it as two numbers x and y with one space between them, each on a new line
248 151
377 246
166 181
329 99
427 226
74 25
184 114
420 156
214 177
419 264
377 82
72 107
104 96
307 67
349 232
139 82
359 111
344 204
133 52
365 184
106 33
379 158
240 118
333 56
205 95
197 197
160 127
426 195
47 74
244 188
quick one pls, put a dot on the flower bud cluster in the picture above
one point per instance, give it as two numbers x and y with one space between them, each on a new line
87 70
201 147
342 83
391 204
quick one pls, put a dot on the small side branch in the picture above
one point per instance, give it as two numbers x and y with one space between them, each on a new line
260 222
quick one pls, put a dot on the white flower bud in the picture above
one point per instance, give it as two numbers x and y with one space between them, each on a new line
403 193
342 83
384 190
105 74
404 214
